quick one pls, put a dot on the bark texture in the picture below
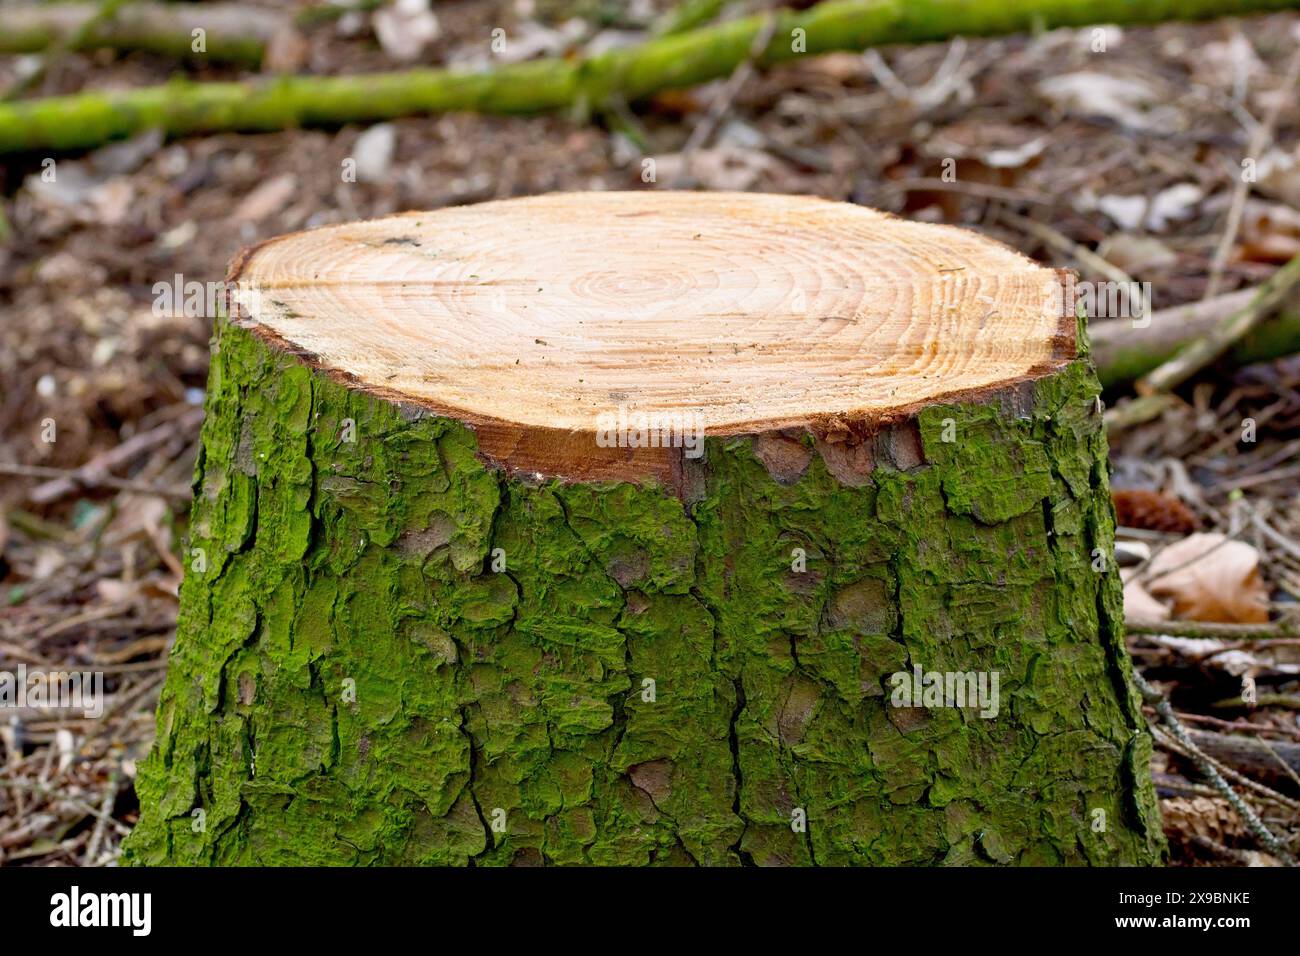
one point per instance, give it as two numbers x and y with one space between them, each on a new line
503 717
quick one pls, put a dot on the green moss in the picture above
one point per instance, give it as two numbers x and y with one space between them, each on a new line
357 680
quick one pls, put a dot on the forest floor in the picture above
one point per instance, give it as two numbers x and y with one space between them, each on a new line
1133 153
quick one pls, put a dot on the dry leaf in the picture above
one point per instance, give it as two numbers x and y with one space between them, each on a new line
117 591
138 517
1270 232
406 28
1210 578
48 560
841 67
1088 93
1278 175
1138 604
1153 510
723 167
270 197
1230 64
1136 254
373 152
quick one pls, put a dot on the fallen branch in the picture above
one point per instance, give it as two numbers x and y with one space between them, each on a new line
102 15
1168 742
1124 353
686 59
329 12
1287 701
1137 411
1201 352
232 32
1287 627
687 16
1274 761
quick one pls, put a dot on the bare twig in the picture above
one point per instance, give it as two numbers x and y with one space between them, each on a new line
1285 628
94 472
1206 766
1084 256
76 479
708 123
1259 142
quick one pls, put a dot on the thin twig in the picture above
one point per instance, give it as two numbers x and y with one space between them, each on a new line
1285 628
1081 254
102 817
1259 142
1206 766
704 129
78 479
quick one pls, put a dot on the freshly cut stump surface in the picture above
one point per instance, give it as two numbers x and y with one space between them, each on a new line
610 528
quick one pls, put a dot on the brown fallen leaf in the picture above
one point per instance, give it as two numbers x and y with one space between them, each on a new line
1137 602
268 198
1270 232
1210 578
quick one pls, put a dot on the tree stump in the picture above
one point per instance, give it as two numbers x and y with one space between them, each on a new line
464 587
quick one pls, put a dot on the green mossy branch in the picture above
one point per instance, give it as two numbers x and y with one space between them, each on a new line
684 59
232 33
519 696
1123 357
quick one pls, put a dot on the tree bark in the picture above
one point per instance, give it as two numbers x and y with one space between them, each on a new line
413 648
680 60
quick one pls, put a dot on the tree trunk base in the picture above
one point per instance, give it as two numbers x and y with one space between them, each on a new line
434 617
353 684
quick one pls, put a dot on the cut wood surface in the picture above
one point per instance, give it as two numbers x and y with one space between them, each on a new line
531 318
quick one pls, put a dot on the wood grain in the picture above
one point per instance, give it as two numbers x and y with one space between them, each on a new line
529 318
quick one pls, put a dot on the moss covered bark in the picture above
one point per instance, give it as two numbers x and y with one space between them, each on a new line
647 680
